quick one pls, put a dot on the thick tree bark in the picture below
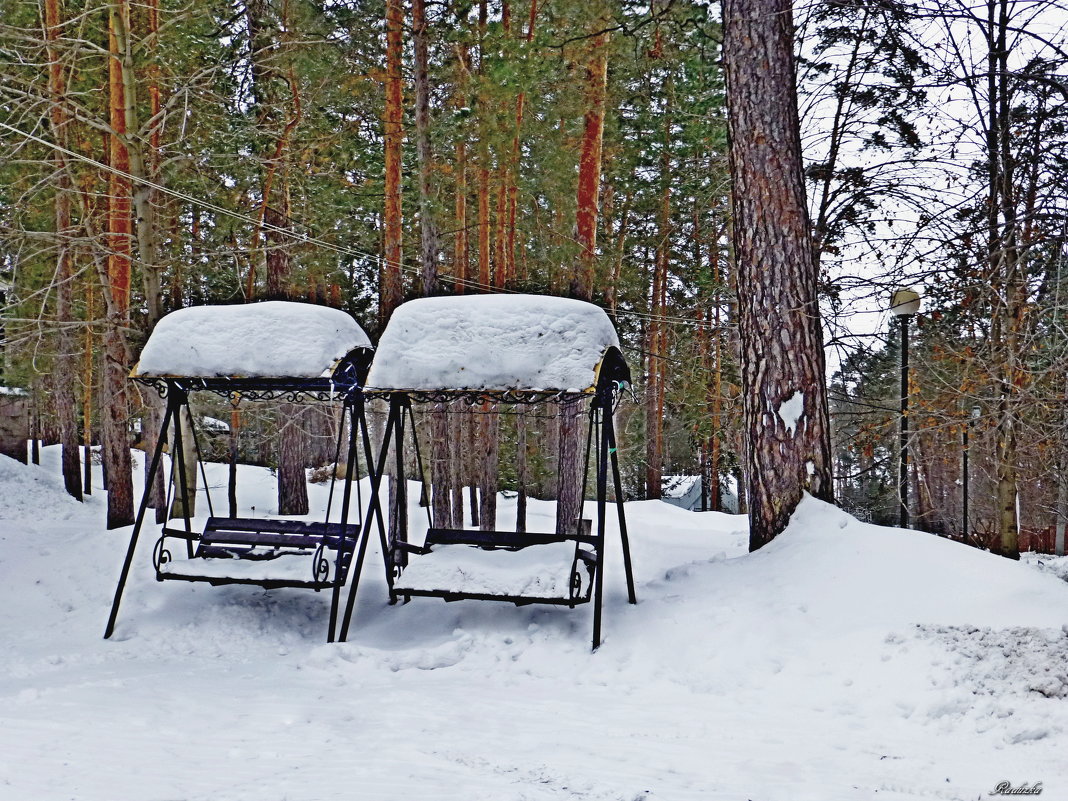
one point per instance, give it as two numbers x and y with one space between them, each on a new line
657 348
513 186
184 503
589 178
569 467
292 456
427 224
116 443
1012 371
392 294
784 395
522 469
654 381
66 368
293 448
489 456
146 204
440 473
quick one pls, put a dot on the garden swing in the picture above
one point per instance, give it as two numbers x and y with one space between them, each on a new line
507 350
274 350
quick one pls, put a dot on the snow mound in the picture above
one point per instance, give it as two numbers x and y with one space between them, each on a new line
30 492
493 342
849 574
842 662
274 339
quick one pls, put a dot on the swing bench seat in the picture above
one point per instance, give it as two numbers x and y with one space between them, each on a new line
265 553
521 568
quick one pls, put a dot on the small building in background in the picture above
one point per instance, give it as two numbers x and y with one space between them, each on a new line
14 422
685 492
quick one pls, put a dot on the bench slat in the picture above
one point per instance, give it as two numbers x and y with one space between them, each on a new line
309 528
276 540
500 539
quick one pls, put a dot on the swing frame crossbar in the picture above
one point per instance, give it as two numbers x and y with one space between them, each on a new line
589 545
326 545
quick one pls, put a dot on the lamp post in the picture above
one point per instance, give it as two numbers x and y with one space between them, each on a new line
904 303
965 475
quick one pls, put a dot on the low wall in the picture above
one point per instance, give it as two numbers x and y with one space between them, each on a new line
14 425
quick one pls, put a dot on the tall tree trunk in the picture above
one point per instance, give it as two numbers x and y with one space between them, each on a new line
569 467
716 411
569 493
292 456
784 395
116 442
87 392
440 473
589 178
654 423
489 456
392 294
1015 301
184 503
66 369
522 469
655 388
291 418
427 224
146 204
513 187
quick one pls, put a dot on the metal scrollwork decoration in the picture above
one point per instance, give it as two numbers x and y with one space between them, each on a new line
320 565
160 554
576 582
479 397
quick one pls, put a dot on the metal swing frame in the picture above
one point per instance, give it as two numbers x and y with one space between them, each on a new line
238 538
589 546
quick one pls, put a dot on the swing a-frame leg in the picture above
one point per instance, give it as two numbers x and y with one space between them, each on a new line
174 401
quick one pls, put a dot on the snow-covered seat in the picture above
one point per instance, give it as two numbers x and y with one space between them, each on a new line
267 553
275 350
521 567
499 349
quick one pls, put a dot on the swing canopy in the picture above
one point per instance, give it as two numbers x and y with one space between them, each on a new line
528 347
275 345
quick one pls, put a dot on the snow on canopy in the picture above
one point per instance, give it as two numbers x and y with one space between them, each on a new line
275 339
492 343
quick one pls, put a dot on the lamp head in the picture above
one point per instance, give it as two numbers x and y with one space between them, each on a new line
905 302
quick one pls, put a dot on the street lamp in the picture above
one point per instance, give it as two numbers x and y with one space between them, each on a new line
976 411
904 303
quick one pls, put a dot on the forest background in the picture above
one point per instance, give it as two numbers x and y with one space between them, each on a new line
166 154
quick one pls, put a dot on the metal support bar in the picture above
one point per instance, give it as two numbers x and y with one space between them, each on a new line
400 511
178 460
152 470
602 491
376 512
335 595
903 452
613 455
368 454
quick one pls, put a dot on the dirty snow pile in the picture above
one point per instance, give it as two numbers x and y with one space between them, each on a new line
842 661
493 342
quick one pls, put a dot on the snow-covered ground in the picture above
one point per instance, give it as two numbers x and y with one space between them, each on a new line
843 661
